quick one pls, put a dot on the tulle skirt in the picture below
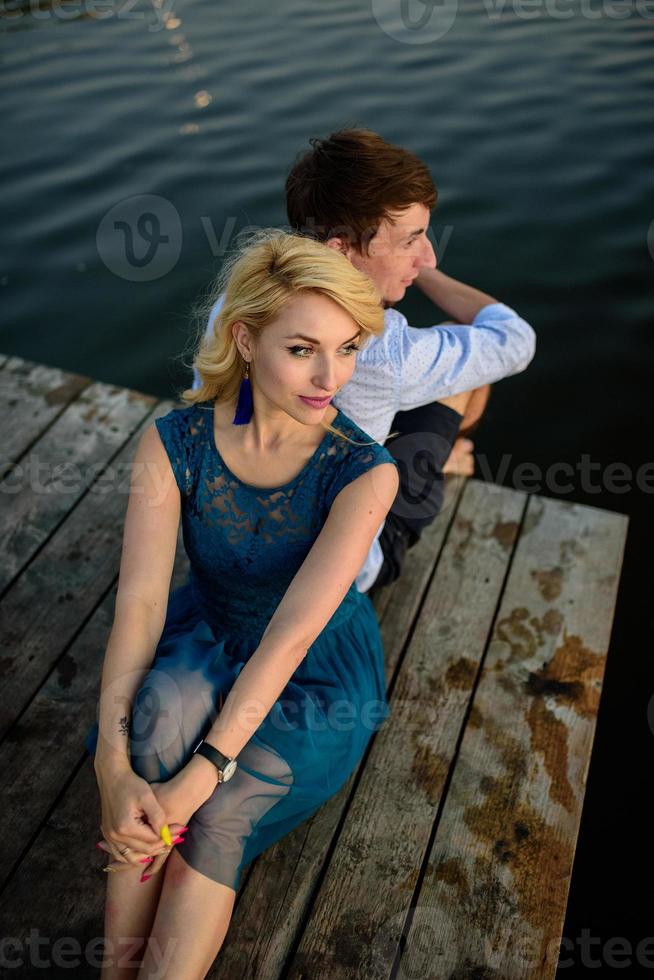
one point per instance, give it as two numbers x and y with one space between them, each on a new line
300 755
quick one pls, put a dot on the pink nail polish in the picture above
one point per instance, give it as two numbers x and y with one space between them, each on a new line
182 830
100 847
146 860
178 840
145 878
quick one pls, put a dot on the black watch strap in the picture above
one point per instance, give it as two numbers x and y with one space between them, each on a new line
214 755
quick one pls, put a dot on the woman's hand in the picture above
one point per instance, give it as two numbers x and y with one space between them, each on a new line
178 807
132 817
178 799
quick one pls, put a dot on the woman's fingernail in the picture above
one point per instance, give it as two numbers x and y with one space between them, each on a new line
178 840
109 869
145 878
145 860
165 835
182 829
100 847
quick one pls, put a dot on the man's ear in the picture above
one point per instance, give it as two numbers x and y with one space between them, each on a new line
338 243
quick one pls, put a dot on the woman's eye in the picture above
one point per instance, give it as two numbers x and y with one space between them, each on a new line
305 351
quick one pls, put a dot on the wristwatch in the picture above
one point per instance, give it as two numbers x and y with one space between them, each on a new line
226 767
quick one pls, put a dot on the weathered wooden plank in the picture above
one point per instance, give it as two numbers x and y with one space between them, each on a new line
31 397
60 714
372 874
60 466
397 606
46 606
493 899
273 900
75 681
59 892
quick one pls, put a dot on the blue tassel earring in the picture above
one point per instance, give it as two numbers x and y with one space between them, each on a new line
244 404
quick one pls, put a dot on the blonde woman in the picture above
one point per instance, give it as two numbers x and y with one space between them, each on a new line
268 661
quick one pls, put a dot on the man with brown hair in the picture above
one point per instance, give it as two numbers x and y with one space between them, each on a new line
412 389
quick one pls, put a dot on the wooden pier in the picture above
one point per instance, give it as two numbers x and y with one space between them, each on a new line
447 854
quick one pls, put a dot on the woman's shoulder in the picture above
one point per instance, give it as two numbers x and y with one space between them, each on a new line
184 419
358 443
182 432
354 455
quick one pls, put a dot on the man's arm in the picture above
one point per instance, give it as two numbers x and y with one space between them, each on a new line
436 362
459 301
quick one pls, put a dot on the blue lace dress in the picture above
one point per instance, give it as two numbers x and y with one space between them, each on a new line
244 545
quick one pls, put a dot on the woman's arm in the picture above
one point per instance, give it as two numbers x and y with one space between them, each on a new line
148 554
311 599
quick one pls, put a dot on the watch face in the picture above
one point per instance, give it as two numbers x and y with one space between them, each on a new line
229 770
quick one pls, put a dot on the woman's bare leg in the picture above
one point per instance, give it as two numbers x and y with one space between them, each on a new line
190 925
130 909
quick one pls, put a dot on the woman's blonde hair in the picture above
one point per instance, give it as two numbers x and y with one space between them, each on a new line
258 281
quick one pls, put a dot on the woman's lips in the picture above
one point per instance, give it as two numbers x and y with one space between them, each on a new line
316 402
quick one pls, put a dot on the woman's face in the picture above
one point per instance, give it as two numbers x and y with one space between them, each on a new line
308 352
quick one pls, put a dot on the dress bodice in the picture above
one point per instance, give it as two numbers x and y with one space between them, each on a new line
246 543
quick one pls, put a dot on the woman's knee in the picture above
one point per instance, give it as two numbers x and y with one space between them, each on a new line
169 715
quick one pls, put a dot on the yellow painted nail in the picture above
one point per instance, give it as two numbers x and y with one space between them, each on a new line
110 869
165 835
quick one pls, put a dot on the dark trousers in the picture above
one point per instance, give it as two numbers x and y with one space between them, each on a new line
423 442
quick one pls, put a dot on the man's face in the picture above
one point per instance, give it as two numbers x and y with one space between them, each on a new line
397 252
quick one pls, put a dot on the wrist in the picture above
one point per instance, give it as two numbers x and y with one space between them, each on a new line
112 765
201 778
109 758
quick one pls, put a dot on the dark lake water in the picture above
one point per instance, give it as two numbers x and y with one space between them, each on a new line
536 120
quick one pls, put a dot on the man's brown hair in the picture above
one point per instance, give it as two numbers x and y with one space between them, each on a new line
348 183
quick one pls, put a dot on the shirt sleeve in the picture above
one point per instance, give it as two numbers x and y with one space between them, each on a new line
215 310
435 362
358 461
171 430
